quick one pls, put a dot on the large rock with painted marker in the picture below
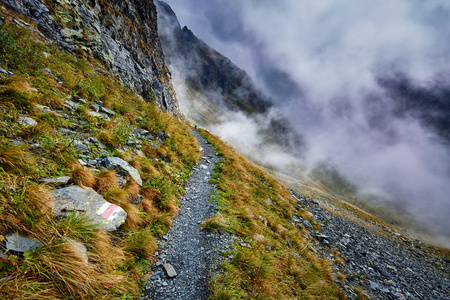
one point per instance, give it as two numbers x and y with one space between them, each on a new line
85 200
123 167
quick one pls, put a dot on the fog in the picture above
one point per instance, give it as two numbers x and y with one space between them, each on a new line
322 63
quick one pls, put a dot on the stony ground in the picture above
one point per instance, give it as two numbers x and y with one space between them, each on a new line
186 248
386 268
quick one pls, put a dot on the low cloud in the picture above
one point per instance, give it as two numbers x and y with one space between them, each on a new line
331 57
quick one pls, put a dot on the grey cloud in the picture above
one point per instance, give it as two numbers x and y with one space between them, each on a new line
331 57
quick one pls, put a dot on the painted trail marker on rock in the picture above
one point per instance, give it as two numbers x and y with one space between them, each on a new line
75 198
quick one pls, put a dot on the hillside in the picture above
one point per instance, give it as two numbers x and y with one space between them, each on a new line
102 181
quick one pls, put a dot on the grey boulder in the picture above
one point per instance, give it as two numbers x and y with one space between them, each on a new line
101 212
18 244
27 121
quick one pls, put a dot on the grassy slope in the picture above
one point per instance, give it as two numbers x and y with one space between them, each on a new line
274 262
117 260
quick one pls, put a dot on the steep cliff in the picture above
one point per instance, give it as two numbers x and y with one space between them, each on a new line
122 35
213 83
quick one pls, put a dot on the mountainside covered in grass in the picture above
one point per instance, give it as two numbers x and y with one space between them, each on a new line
94 159
63 118
59 115
122 35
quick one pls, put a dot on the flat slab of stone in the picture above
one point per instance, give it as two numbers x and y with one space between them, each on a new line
26 121
57 181
75 198
98 115
18 244
123 166
170 270
107 111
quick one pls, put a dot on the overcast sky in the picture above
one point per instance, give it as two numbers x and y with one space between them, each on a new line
321 60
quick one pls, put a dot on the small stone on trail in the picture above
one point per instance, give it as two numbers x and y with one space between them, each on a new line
170 270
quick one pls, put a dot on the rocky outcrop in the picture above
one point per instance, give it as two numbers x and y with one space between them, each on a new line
122 35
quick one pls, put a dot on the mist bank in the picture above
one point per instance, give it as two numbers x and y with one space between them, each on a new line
364 85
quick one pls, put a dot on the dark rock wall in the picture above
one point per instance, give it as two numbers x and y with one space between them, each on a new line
205 70
121 34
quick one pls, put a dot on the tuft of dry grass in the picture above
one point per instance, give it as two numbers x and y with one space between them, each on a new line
60 264
132 189
141 243
82 176
151 194
19 83
106 179
17 160
215 223
104 253
116 196
41 198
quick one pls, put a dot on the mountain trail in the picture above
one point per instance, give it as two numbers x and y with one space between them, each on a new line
185 248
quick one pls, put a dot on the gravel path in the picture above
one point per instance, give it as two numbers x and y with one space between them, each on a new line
186 248
386 268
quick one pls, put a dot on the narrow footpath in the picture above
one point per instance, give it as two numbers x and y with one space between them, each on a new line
185 248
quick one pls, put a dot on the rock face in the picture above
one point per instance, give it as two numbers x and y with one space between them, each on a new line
211 75
74 198
123 35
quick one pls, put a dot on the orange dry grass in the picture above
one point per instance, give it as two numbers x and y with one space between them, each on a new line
148 207
133 189
152 195
82 176
17 160
136 163
40 197
106 179
104 252
134 219
19 83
